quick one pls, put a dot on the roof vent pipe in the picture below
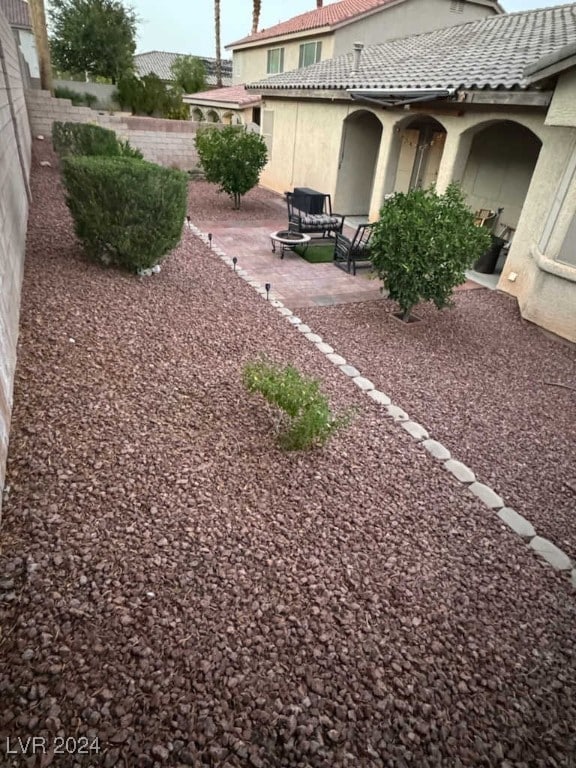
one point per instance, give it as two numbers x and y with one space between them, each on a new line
358 48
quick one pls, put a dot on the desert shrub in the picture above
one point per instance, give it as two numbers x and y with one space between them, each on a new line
422 244
89 139
90 99
62 92
231 157
305 411
127 212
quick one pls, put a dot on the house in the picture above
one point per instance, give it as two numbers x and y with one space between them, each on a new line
160 62
324 33
233 106
490 104
330 31
18 15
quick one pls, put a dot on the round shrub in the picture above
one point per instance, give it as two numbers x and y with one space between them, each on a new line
127 212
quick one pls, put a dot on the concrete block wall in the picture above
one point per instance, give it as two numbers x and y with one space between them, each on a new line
15 160
166 142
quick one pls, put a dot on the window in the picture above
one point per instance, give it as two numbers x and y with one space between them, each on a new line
310 53
275 63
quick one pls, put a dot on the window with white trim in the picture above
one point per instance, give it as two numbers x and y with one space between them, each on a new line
310 53
275 61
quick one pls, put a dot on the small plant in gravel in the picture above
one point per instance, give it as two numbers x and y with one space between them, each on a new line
89 139
423 243
304 410
231 157
127 213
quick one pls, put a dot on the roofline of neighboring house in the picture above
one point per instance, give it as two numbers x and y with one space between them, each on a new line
552 64
221 104
244 43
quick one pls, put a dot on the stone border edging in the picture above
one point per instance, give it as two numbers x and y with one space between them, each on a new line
544 548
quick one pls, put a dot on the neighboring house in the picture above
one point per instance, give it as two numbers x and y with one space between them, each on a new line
233 106
18 16
330 31
490 104
324 33
160 62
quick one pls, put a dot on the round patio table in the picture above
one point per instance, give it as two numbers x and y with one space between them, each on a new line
288 240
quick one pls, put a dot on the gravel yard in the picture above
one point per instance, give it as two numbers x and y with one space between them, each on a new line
484 383
174 586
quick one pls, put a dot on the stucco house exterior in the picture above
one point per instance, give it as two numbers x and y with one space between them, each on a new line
233 105
323 33
490 104
18 16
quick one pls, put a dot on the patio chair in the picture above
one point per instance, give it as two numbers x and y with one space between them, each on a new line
347 252
325 224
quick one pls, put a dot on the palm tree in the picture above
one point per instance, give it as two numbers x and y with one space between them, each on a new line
318 3
38 15
256 7
218 44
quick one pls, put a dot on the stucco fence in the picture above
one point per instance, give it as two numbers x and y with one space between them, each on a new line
166 142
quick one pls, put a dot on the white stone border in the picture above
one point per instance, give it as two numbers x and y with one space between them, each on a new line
515 521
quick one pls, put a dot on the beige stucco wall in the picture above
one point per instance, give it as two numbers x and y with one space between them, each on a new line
249 64
407 18
562 110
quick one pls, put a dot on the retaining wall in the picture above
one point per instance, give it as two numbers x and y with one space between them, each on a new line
15 159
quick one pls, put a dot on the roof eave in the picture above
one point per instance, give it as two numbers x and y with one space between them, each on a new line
248 44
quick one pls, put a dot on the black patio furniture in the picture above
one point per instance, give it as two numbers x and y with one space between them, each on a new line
347 252
325 223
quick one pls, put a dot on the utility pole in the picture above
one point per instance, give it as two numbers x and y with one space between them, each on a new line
42 46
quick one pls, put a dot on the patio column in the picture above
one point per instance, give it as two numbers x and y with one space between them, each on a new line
454 159
386 167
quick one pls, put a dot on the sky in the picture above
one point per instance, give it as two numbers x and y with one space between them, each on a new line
187 26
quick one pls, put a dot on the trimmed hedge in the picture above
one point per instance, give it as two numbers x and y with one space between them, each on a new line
89 139
127 212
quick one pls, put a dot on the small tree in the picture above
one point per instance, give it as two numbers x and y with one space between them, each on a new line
94 36
232 157
423 243
189 74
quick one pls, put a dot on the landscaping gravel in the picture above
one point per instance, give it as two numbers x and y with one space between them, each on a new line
485 384
174 585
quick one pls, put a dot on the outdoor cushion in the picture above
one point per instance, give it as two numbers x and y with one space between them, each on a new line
320 220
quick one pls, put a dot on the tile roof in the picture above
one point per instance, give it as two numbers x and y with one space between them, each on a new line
489 53
16 12
328 16
160 62
234 94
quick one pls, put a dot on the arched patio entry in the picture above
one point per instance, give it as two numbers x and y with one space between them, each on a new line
499 168
420 146
361 136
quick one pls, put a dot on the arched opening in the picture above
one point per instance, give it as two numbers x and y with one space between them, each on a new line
420 147
197 115
361 136
496 178
499 168
212 116
228 118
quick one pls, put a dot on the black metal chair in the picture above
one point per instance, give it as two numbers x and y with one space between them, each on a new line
349 251
325 224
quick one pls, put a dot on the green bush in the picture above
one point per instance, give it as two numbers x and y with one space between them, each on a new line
89 139
127 212
148 95
309 420
231 157
423 243
77 98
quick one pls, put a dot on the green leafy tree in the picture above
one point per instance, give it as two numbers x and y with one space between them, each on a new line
189 74
232 157
423 243
94 36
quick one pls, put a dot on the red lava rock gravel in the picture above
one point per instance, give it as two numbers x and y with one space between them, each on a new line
175 586
481 380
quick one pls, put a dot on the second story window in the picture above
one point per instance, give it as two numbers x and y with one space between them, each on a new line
310 53
275 63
